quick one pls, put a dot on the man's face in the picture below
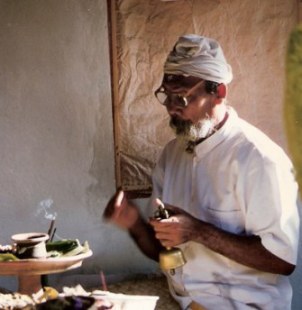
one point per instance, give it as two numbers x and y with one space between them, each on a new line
193 121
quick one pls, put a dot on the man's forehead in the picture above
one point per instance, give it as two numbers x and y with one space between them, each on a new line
174 80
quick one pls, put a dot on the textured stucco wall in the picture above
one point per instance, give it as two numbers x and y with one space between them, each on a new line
56 131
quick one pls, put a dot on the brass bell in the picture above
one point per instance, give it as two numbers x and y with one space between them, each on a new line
170 258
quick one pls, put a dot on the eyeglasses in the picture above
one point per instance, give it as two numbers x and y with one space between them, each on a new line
166 98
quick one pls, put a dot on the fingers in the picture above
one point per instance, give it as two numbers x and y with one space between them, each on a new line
109 209
119 197
166 240
158 202
166 231
113 207
168 226
172 209
118 204
121 212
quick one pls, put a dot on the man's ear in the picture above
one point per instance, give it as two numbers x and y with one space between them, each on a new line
221 91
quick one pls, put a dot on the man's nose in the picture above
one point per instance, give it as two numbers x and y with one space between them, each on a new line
173 109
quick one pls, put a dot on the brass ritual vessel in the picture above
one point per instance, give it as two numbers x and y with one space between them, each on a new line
170 258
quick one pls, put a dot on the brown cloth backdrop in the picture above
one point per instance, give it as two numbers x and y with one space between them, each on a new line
254 37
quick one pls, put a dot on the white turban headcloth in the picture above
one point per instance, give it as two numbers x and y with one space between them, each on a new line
198 56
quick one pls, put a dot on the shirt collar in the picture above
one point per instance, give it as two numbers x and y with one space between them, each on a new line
208 144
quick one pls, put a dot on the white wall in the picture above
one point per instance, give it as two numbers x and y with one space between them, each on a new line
56 131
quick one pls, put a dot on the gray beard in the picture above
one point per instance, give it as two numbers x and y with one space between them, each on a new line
187 132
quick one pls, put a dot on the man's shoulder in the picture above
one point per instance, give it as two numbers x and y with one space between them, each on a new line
254 143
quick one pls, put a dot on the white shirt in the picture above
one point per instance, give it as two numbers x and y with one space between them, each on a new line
242 182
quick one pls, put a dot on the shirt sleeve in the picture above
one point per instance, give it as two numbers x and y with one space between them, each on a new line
271 206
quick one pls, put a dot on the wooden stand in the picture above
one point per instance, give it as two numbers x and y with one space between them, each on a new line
29 284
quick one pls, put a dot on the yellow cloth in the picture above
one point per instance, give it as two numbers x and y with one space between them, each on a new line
195 306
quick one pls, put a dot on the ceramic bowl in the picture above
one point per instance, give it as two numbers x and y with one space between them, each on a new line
30 245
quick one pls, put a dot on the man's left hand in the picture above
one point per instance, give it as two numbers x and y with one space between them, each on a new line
180 227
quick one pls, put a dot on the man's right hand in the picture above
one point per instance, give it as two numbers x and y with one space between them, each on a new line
120 211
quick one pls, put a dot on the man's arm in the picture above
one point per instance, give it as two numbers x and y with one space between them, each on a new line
124 214
245 250
143 235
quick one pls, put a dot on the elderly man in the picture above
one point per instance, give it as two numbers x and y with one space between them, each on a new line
229 188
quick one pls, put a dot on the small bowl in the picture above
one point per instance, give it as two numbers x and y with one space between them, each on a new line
33 237
30 245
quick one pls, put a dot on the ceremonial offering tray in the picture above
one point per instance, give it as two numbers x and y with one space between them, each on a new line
29 258
34 266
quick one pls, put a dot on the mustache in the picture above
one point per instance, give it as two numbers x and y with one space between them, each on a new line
185 129
179 124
